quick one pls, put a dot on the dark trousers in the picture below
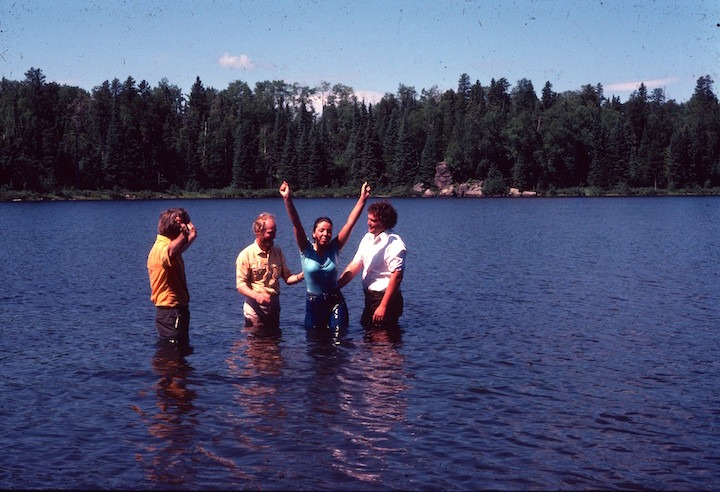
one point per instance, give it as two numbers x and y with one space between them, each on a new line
392 313
173 325
326 311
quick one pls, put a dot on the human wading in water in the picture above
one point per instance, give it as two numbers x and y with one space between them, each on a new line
168 286
325 305
258 270
381 258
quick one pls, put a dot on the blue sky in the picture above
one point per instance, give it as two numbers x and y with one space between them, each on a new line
372 46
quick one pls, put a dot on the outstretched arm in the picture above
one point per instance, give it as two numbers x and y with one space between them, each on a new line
352 219
350 271
300 236
295 278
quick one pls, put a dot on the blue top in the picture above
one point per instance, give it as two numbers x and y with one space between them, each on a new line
321 272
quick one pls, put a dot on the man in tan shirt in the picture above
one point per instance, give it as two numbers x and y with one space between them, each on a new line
258 270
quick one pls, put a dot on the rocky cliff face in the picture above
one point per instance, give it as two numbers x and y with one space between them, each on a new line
446 186
443 176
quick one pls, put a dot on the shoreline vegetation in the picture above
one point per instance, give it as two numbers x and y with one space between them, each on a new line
62 142
344 192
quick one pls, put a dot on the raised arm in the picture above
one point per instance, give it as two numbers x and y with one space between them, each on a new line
300 236
187 236
352 219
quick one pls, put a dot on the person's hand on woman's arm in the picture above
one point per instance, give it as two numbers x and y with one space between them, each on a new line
349 273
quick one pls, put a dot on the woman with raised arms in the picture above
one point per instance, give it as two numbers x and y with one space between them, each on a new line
325 306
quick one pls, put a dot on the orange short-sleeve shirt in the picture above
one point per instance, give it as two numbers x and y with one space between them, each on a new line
168 286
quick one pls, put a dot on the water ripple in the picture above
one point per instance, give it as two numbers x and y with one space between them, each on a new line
551 344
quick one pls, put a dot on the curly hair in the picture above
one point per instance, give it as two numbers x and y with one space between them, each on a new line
385 213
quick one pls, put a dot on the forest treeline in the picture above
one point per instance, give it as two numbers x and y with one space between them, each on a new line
129 136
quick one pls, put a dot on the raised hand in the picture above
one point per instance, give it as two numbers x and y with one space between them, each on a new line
365 191
284 190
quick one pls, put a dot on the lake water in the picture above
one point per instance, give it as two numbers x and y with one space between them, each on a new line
547 344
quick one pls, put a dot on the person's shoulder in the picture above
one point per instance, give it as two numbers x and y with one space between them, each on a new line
308 248
335 244
247 250
395 239
161 243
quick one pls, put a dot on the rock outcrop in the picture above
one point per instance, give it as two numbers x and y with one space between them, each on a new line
471 188
444 185
443 176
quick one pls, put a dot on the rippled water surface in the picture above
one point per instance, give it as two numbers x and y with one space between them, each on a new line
547 344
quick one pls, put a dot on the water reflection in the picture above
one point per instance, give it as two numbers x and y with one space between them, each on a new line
385 373
383 337
385 401
173 423
357 396
328 356
255 365
320 337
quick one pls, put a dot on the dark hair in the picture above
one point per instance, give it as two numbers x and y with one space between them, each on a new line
385 213
167 226
321 219
259 223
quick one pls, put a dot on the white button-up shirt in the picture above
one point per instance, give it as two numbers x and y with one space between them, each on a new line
380 257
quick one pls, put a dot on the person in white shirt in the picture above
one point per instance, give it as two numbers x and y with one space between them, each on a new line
381 257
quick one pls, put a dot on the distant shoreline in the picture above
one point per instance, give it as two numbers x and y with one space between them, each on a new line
119 195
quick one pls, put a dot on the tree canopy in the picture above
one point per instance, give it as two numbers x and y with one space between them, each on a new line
131 136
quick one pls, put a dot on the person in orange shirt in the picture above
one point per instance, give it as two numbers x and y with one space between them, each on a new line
168 285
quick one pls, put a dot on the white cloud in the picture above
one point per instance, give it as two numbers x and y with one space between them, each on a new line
233 61
633 85
370 97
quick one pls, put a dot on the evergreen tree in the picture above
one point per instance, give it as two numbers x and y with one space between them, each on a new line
132 136
704 115
371 156
350 160
129 151
218 142
389 143
194 139
637 113
75 142
288 168
678 156
428 161
112 164
317 172
405 165
548 96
